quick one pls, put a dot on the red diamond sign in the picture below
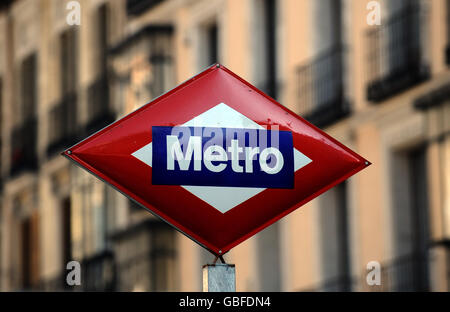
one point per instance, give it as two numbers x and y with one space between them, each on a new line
217 159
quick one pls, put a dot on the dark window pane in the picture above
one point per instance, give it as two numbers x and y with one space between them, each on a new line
161 62
69 49
24 134
271 47
103 19
419 218
62 124
26 248
335 256
136 7
66 230
212 38
63 115
28 89
396 51
411 238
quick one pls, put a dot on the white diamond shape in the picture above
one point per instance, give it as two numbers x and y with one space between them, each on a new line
223 198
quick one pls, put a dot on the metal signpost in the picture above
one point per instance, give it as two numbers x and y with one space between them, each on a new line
219 277
217 159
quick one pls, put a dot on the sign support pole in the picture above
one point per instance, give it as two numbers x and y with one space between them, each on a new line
219 277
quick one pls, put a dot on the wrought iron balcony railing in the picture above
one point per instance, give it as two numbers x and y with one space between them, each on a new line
447 54
321 98
433 98
406 273
395 56
145 257
23 147
136 7
97 274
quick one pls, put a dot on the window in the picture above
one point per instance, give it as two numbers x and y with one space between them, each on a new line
161 61
66 231
24 133
63 116
28 96
212 43
149 71
29 251
265 43
209 44
334 237
321 81
409 270
99 112
98 272
419 217
68 64
103 23
396 51
25 231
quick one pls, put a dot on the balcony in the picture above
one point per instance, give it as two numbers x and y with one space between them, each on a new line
406 273
62 130
97 274
433 98
136 7
156 42
321 98
396 60
23 147
337 284
146 257
99 112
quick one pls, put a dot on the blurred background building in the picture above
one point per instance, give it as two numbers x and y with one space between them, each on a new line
384 91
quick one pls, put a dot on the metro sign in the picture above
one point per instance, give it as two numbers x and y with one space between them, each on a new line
217 159
215 170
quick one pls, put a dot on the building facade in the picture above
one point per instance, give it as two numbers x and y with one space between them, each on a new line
383 90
